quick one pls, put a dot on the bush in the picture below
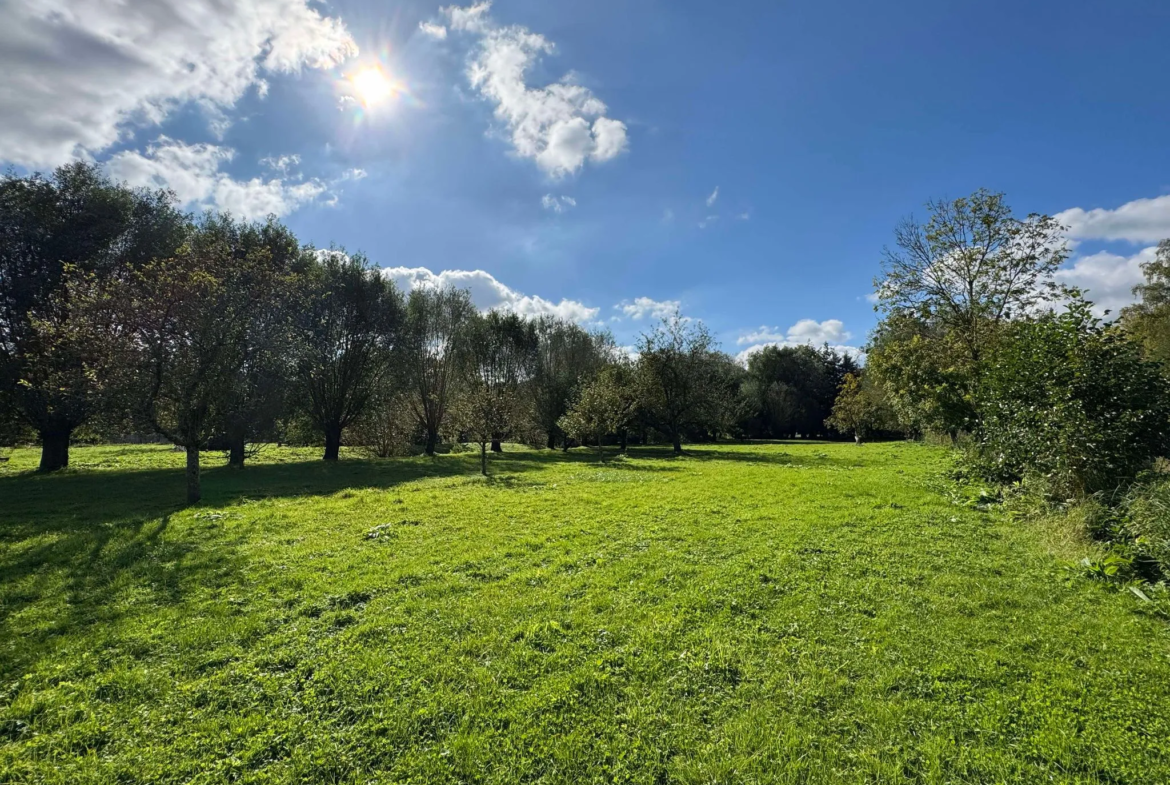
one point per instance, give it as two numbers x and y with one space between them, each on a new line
386 429
1070 403
1146 520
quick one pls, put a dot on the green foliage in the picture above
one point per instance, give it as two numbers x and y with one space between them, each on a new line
1071 403
566 357
861 408
791 388
606 404
742 613
677 377
1148 321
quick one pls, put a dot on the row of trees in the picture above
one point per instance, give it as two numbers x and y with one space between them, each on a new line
121 315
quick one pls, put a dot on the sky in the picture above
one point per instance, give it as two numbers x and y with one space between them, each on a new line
612 161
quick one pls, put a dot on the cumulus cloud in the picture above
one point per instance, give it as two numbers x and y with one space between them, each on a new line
80 74
713 197
1107 278
438 32
560 126
558 204
1139 221
642 307
806 332
192 171
488 293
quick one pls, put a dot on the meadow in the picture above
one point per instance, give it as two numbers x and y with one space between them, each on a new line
743 613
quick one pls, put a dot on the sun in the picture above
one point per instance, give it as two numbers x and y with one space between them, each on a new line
371 85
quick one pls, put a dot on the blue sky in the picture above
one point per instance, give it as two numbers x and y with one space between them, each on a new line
564 157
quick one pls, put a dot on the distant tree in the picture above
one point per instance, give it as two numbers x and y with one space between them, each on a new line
604 405
500 354
861 408
566 356
676 378
972 267
75 222
348 323
792 388
1148 320
434 350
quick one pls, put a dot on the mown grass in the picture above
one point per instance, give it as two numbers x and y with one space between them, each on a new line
799 613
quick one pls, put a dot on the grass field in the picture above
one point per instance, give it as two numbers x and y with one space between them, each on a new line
801 613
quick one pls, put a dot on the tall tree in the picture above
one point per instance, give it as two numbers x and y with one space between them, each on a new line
348 324
972 266
501 352
74 220
434 348
676 376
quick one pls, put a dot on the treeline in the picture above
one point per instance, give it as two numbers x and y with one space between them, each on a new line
120 315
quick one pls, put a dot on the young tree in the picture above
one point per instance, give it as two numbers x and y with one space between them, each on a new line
434 348
676 376
348 323
76 220
604 405
861 408
1148 321
501 351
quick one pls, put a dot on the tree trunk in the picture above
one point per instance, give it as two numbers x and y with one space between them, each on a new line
194 491
677 442
236 453
600 449
496 447
483 458
857 438
332 443
552 440
54 450
432 440
622 441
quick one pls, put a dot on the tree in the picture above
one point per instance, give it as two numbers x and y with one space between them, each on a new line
972 267
792 388
861 408
259 394
178 332
348 323
76 220
1148 321
566 355
434 347
1072 403
604 405
500 354
676 376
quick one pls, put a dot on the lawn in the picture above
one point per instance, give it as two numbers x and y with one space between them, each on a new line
805 613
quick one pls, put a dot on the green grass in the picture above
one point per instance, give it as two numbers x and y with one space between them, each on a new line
802 613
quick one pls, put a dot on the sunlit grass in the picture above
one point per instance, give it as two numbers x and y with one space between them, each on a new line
744 613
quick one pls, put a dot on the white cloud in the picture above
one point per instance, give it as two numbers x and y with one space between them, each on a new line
283 164
806 332
641 307
192 172
1108 279
713 197
80 74
743 217
438 32
558 204
488 293
710 219
561 125
1139 221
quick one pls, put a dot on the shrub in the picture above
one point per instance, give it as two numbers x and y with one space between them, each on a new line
1147 520
1071 403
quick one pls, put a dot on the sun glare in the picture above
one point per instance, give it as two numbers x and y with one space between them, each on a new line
371 85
